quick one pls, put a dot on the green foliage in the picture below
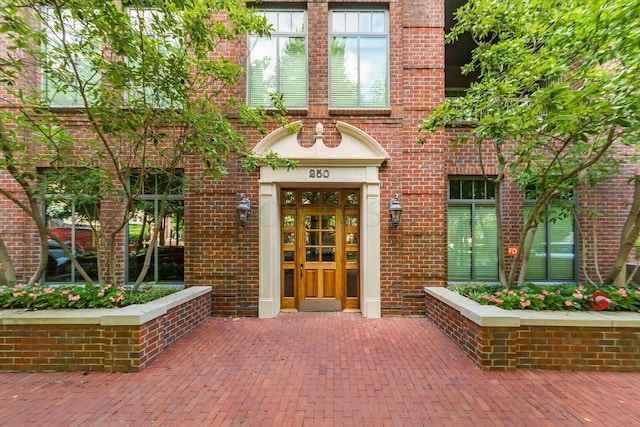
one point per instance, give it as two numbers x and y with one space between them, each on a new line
549 297
557 89
149 82
38 297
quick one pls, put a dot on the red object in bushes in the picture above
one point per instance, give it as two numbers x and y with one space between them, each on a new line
600 301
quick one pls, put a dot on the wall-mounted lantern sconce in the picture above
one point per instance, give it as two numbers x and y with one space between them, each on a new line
244 210
395 211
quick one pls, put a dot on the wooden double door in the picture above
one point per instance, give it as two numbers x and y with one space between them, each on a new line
320 250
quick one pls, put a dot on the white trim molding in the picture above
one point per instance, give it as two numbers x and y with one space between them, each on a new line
352 164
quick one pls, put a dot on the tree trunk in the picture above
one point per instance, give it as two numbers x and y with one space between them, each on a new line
500 231
8 276
630 233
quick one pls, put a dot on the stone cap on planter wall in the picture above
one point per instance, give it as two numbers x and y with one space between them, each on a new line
492 316
135 314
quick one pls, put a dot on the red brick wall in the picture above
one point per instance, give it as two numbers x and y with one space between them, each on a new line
538 347
579 348
221 254
89 347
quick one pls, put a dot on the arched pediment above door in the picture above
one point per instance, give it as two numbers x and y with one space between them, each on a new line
357 148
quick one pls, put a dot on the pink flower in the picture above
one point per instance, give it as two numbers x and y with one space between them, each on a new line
498 294
49 290
524 303
542 296
34 295
622 292
485 297
580 288
73 297
544 292
578 295
568 303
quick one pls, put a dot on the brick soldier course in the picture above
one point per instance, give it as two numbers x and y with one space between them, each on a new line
319 369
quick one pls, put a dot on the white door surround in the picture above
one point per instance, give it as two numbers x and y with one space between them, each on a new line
354 163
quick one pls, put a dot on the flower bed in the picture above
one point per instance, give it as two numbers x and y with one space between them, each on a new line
553 297
497 339
39 297
111 340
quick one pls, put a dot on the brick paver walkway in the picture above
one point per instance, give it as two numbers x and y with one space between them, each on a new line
319 369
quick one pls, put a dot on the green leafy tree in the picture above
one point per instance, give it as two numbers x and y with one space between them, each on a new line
557 96
150 88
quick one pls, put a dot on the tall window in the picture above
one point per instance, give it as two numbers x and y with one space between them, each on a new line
159 71
159 207
359 59
73 217
472 230
552 255
67 46
278 64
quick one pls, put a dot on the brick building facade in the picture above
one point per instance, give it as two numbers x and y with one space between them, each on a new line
319 237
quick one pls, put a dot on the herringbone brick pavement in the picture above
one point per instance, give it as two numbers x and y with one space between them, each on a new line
319 369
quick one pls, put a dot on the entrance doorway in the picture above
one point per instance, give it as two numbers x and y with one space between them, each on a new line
320 267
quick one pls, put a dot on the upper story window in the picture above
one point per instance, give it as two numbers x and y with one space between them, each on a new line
157 81
68 47
278 64
456 55
359 59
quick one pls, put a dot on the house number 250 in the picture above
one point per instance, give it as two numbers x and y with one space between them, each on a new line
319 173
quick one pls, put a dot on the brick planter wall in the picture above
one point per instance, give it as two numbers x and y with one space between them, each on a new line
497 339
109 340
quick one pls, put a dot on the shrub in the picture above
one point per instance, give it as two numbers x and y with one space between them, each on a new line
39 297
550 297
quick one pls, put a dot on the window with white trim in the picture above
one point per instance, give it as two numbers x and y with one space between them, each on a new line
359 59
278 64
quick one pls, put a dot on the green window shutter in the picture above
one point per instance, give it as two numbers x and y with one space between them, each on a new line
459 242
485 243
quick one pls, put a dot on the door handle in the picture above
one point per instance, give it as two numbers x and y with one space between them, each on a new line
301 265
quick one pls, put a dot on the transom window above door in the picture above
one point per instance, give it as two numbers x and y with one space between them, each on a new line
359 59
278 64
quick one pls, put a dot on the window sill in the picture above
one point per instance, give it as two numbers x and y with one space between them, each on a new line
359 112
66 109
462 124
